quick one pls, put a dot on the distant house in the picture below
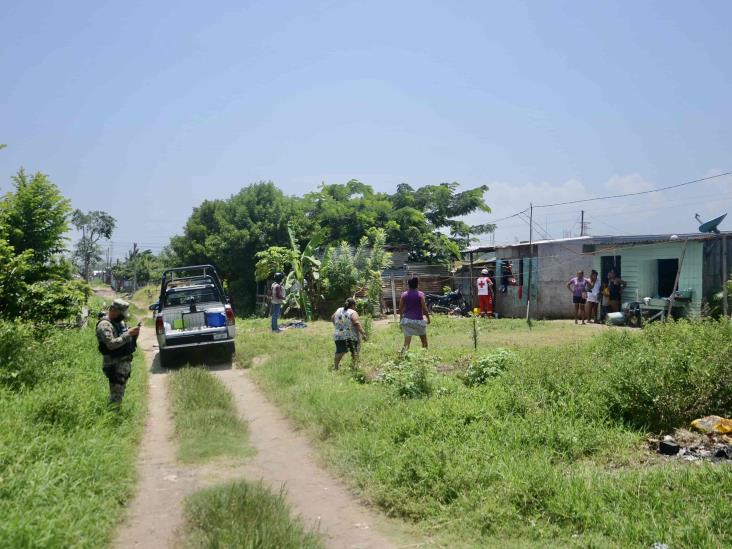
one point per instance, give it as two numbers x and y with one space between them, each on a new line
552 263
647 263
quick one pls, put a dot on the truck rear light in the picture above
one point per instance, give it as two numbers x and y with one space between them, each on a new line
159 326
230 319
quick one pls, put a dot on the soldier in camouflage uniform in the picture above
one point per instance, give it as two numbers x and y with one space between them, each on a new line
117 344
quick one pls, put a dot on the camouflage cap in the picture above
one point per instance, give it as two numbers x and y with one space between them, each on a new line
122 306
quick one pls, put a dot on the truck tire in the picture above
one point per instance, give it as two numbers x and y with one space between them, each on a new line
165 358
230 352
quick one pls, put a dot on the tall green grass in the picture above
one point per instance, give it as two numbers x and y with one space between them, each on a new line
66 461
549 449
244 515
207 424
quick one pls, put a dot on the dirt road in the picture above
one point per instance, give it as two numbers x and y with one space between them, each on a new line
284 457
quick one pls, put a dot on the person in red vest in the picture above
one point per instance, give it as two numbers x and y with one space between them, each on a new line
485 293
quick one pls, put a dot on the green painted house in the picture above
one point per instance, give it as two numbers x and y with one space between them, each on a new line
649 265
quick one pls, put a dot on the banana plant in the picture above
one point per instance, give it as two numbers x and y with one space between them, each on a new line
302 282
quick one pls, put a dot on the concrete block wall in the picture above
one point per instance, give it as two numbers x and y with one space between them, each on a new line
559 262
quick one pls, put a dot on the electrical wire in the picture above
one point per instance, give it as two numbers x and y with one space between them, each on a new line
649 191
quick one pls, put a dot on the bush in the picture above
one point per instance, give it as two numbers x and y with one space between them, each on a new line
409 375
669 374
488 366
67 462
19 366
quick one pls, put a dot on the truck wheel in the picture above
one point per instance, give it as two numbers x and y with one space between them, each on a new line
165 358
230 351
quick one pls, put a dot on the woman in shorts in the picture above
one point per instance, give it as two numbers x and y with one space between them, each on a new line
348 333
593 296
578 287
413 315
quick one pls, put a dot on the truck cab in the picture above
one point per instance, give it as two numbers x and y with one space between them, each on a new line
192 312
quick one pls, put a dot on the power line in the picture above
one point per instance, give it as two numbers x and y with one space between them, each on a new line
636 193
508 216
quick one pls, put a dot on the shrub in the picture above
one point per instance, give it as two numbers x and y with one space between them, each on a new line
20 363
488 366
669 374
67 462
409 375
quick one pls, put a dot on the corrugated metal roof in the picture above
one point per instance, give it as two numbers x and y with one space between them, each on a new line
651 238
623 239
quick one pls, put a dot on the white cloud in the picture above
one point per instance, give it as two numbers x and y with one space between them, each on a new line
663 212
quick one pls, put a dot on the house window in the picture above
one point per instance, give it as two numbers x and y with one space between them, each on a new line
609 263
667 270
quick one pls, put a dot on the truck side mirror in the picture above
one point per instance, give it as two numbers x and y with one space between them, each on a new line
155 306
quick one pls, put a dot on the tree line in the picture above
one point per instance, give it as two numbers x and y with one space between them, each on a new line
43 280
229 233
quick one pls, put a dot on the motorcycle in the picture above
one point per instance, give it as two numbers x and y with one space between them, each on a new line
451 303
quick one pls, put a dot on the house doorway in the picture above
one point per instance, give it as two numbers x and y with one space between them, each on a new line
667 269
609 263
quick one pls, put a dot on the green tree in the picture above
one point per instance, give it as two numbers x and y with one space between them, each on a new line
34 218
228 234
275 259
339 273
12 278
94 226
427 219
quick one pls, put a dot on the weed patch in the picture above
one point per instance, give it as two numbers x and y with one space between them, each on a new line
545 453
487 366
244 515
669 375
66 461
409 375
206 421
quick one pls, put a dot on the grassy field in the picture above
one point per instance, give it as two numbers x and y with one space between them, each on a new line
206 421
538 439
244 514
66 462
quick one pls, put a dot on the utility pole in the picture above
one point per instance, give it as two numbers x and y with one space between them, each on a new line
134 269
531 247
582 224
472 299
725 275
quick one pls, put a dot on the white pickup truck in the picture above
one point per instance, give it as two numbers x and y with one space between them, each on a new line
192 312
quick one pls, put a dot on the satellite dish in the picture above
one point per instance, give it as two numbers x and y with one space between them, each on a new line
710 226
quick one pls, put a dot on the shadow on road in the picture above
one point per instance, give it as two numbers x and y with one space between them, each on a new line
206 358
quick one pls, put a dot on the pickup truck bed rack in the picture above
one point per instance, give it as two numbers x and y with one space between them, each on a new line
206 275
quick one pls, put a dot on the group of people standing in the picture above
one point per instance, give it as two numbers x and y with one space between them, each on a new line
349 332
599 297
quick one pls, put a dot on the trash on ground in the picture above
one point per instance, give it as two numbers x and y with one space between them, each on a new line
713 424
709 445
295 324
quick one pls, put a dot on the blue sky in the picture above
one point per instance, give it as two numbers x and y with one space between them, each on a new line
145 109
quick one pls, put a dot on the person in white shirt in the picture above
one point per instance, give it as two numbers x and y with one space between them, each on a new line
485 293
593 296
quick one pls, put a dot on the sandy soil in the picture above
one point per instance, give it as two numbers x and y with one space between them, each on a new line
284 458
